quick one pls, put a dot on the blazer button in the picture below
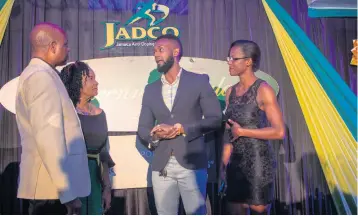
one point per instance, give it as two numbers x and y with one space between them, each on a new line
171 116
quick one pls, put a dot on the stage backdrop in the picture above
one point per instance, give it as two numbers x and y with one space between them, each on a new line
119 28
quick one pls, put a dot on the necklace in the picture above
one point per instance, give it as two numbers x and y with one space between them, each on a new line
83 112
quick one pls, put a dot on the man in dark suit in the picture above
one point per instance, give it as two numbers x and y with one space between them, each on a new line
183 106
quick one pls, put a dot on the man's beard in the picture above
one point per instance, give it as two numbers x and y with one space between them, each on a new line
166 65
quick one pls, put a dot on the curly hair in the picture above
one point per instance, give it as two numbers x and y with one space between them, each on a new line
71 76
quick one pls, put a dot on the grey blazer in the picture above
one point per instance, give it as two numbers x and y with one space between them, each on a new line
195 98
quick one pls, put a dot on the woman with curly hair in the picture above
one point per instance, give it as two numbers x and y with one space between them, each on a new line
80 82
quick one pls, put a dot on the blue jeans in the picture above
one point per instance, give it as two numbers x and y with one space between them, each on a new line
179 181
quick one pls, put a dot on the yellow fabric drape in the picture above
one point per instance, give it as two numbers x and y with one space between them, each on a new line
354 51
4 17
335 146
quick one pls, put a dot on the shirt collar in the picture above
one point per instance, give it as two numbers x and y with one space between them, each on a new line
164 81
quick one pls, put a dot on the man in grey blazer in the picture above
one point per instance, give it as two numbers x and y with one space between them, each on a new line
183 106
54 165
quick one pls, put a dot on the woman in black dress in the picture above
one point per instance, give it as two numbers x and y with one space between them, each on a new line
254 118
80 82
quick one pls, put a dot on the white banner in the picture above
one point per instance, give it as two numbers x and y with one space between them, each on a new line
132 160
122 81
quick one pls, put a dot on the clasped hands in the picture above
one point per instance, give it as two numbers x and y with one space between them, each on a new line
164 131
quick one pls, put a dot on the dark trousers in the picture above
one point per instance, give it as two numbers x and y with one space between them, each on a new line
46 207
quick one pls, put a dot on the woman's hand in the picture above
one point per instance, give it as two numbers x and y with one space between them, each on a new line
227 150
106 198
106 190
235 130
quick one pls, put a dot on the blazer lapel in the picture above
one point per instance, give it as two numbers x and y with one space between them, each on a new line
159 88
181 87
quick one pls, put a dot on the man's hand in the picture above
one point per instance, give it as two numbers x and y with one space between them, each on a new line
180 128
164 131
73 207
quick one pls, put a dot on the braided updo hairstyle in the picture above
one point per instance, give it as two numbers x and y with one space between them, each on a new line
250 50
71 76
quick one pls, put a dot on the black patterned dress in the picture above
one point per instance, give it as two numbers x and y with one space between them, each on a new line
250 173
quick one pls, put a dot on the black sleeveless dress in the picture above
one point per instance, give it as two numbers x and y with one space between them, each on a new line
251 171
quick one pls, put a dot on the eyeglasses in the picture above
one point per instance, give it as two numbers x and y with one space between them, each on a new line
228 59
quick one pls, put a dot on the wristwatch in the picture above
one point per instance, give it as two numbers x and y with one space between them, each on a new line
182 132
154 142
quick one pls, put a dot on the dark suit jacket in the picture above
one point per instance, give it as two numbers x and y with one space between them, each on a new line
195 98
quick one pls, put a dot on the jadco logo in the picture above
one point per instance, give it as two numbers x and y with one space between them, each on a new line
114 32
